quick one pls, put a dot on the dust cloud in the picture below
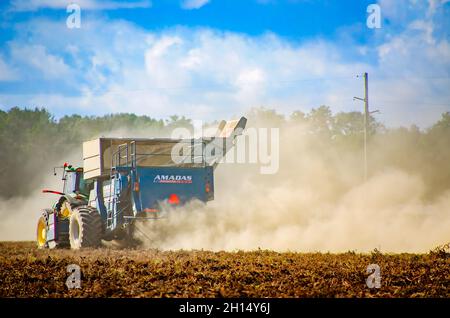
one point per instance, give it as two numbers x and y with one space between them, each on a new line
317 201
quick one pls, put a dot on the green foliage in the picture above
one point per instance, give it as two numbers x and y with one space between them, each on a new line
321 120
443 123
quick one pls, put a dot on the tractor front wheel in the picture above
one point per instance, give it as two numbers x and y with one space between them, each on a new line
41 231
85 228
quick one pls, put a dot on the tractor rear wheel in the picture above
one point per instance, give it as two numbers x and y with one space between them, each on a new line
85 228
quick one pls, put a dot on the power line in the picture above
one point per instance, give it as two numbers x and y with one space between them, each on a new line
270 82
413 103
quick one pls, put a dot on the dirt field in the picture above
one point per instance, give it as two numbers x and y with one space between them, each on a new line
28 272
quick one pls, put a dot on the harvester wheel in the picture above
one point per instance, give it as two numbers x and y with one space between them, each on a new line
41 230
85 228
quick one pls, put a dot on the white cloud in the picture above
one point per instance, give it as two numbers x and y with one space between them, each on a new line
6 72
208 74
193 4
36 56
33 5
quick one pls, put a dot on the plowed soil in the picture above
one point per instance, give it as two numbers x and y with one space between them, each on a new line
106 272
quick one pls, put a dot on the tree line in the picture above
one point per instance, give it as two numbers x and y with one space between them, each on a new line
31 140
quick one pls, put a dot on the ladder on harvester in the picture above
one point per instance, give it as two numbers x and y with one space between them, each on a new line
124 156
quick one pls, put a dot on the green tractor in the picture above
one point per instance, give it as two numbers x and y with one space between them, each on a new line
68 213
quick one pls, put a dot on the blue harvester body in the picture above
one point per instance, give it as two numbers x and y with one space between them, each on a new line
124 180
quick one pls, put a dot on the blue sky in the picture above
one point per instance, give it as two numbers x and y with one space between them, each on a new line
216 59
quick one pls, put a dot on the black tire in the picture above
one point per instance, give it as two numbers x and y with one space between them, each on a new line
85 228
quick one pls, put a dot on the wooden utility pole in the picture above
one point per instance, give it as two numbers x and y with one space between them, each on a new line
366 120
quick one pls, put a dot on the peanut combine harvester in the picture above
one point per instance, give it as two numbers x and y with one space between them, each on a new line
124 180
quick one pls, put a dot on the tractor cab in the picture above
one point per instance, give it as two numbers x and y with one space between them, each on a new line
74 181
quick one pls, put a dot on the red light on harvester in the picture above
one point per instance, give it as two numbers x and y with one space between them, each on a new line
136 186
173 199
207 188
